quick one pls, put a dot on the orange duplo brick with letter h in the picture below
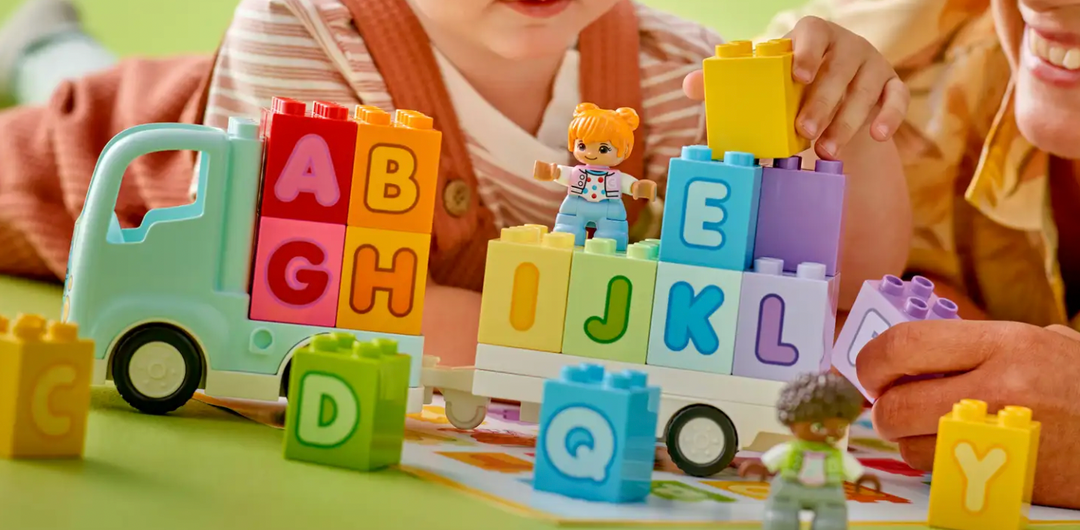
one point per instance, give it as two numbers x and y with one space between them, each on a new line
45 373
388 237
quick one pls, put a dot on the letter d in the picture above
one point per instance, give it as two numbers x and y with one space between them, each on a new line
318 391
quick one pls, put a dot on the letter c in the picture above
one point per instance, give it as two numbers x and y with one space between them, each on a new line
48 423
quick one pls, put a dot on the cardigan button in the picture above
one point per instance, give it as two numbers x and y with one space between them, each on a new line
456 197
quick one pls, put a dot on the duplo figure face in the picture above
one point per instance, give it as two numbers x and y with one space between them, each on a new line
1042 40
514 29
829 431
597 154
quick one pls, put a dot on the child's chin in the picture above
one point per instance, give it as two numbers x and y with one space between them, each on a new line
520 47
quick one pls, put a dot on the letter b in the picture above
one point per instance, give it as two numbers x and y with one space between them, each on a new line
392 185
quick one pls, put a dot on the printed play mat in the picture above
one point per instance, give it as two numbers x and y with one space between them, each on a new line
495 462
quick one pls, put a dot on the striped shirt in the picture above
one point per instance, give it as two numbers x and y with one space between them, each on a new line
310 50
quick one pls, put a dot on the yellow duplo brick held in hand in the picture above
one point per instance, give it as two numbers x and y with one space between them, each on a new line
525 285
45 372
752 100
984 468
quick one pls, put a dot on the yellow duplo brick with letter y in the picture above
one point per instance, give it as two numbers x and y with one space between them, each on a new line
525 285
984 468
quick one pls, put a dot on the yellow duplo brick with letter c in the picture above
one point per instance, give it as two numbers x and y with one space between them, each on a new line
45 374
525 286
984 468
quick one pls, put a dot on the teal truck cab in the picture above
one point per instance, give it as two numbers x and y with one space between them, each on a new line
167 302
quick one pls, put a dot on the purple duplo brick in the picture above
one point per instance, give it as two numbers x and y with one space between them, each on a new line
786 320
800 214
882 304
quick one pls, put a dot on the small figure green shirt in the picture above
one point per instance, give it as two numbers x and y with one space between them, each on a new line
812 464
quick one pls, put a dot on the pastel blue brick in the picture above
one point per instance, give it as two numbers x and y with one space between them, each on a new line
695 317
597 437
711 209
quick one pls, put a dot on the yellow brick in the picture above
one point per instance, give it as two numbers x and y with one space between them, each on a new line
984 468
751 100
525 284
44 388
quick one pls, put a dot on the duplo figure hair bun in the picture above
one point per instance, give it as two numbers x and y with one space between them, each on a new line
630 116
582 108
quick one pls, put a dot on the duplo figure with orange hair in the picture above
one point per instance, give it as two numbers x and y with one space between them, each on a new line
600 139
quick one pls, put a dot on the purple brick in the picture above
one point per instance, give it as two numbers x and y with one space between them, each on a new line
800 213
786 320
880 305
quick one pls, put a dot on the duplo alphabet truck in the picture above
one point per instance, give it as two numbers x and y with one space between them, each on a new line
218 294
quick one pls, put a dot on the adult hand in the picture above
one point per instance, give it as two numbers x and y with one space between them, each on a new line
849 84
1001 363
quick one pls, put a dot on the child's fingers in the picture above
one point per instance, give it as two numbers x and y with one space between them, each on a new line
929 347
894 105
913 409
823 97
694 85
862 97
810 39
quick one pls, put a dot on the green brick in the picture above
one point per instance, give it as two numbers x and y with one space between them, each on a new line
347 402
609 308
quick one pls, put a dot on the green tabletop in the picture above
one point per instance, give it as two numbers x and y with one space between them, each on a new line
202 468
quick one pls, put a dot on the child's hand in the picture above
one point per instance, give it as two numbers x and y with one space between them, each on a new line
545 171
849 83
643 189
1001 363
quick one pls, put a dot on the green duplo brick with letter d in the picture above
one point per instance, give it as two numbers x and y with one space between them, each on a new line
347 403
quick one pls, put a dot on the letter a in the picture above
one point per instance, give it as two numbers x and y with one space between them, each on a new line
310 169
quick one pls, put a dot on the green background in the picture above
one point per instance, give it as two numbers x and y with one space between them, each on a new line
162 27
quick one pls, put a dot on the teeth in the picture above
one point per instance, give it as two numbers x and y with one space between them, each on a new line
1055 54
1072 60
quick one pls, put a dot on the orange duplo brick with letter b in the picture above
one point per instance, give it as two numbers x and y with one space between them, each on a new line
382 281
395 171
45 372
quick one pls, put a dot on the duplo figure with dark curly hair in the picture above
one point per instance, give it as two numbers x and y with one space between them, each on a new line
811 470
